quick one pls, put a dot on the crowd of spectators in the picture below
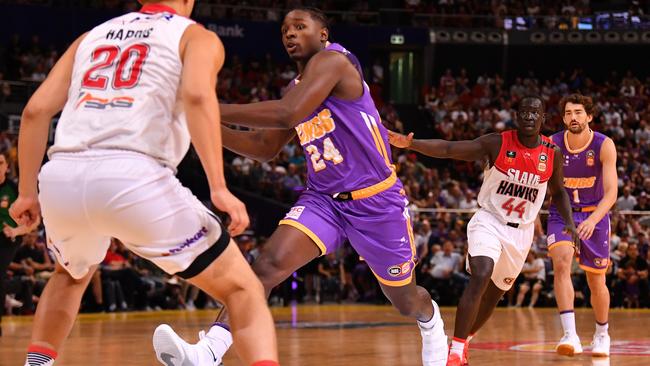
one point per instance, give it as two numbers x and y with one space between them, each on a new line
458 106
550 14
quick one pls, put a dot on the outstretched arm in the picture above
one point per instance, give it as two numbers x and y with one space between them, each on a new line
260 145
321 75
468 150
561 198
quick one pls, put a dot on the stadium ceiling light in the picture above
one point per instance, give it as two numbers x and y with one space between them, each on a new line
645 37
443 36
538 37
575 37
556 37
460 36
612 37
631 37
495 37
593 37
478 37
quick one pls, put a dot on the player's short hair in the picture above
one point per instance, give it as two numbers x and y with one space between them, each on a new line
576 98
533 96
315 13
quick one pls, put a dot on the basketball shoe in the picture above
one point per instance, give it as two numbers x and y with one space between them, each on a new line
569 345
600 345
434 340
466 354
455 360
172 350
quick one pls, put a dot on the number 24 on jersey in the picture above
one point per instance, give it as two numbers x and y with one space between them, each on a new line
330 152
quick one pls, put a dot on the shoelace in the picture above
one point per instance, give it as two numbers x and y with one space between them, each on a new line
599 338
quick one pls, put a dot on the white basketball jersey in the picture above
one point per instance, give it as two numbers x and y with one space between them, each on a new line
514 188
124 91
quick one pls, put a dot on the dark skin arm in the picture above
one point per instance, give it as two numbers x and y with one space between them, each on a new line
259 145
326 73
467 150
561 198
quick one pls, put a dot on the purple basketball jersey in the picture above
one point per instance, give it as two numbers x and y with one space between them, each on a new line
583 170
347 149
583 182
345 142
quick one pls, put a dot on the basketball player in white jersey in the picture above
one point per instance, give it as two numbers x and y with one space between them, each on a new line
134 91
522 163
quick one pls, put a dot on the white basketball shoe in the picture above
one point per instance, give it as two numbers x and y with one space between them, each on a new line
600 345
172 350
569 345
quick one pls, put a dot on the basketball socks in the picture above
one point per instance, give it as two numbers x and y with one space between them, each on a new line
429 323
215 332
458 346
601 328
40 356
568 319
216 342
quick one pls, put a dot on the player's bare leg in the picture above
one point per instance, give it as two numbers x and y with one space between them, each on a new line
287 250
55 314
523 290
600 303
562 257
489 302
415 302
230 280
470 302
469 305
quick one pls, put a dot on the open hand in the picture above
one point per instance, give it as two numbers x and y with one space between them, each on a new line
586 229
399 140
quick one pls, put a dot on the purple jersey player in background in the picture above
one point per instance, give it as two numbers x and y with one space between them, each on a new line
352 191
590 180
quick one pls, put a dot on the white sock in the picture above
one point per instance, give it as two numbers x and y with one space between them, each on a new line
568 320
469 337
602 329
218 339
457 346
431 322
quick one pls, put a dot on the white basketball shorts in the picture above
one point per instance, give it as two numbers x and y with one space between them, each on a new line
89 197
507 246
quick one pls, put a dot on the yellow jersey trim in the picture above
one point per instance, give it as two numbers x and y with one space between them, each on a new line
319 243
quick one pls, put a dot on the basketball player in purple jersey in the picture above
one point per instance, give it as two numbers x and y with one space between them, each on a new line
352 190
590 179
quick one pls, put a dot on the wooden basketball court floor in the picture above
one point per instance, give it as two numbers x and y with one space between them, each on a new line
337 335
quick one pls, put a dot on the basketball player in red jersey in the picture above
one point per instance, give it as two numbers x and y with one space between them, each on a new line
522 163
